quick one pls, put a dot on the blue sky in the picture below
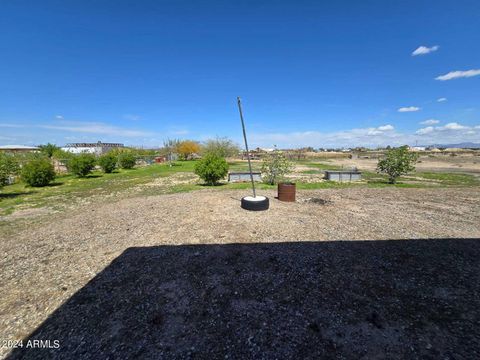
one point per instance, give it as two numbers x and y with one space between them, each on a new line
316 73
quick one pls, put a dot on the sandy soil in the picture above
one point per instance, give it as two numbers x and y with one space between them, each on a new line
469 164
44 266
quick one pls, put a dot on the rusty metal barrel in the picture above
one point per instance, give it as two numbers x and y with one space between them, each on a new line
286 192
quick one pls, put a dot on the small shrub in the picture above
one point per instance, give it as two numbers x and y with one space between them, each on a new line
126 160
211 168
8 167
274 167
108 162
38 172
398 162
81 165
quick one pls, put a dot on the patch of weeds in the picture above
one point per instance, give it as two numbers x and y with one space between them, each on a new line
322 166
451 179
312 172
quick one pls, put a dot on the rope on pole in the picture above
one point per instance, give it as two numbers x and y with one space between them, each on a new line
246 145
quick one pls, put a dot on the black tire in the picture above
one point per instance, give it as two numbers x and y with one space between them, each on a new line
255 205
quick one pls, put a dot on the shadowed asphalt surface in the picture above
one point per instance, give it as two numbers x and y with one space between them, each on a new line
340 299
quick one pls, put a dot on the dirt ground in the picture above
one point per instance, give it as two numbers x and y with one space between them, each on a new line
106 281
469 164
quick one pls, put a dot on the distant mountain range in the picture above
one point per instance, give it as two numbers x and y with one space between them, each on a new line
469 145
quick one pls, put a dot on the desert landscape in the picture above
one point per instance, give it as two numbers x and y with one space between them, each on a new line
66 249
264 180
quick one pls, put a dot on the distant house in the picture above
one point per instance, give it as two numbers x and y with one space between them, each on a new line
18 148
417 148
97 148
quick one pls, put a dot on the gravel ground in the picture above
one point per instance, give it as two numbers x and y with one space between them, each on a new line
468 164
105 282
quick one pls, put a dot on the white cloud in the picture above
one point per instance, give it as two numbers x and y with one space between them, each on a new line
95 128
458 74
451 132
452 126
386 128
59 117
430 122
371 137
423 50
408 109
426 130
442 99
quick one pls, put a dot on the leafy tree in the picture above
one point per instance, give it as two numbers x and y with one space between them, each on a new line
211 168
38 172
49 149
187 148
222 147
274 167
8 167
398 162
170 147
127 160
60 154
81 164
108 162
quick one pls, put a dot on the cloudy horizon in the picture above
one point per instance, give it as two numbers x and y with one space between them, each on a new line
310 74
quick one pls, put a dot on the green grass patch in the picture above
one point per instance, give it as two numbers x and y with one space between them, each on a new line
422 179
451 179
68 187
242 166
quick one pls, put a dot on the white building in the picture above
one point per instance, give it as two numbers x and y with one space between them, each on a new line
97 148
18 148
417 148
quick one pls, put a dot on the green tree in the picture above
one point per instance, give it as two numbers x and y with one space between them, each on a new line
38 172
49 149
127 160
81 165
398 161
211 168
108 162
8 167
222 147
274 167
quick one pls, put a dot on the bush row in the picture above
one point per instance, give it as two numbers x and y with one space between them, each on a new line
37 170
83 164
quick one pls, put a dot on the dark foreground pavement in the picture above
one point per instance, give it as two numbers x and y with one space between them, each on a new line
402 299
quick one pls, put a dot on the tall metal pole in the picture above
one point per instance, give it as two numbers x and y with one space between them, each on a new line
246 145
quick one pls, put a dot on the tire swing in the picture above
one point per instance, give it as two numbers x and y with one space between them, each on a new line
255 202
